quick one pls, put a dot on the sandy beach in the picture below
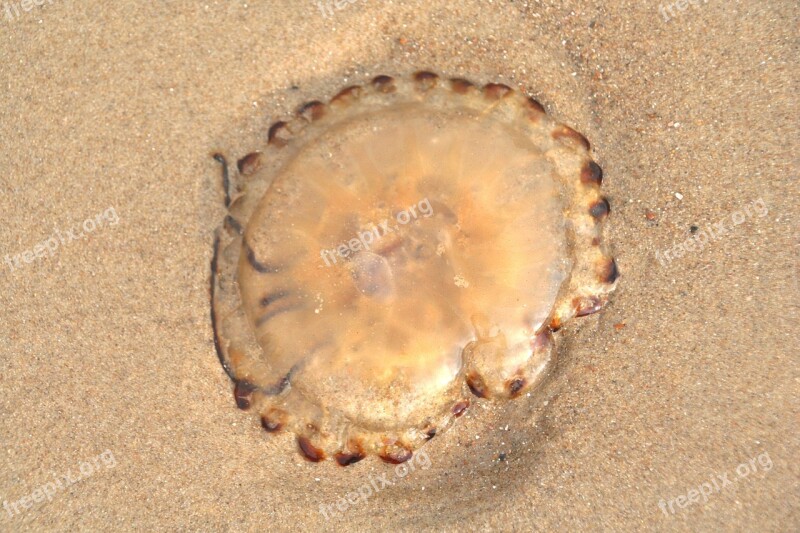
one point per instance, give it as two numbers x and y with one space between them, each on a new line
674 409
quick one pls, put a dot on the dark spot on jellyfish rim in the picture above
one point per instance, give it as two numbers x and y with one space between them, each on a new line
534 105
249 163
347 95
347 459
430 433
515 386
258 266
384 84
426 80
461 86
592 174
312 111
609 272
693 229
352 455
496 91
425 75
273 137
309 451
242 393
460 407
600 209
476 385
395 454
270 425
565 132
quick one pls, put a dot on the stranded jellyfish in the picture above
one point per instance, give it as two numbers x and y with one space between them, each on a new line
399 252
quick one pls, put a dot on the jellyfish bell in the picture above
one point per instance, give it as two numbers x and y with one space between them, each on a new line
410 245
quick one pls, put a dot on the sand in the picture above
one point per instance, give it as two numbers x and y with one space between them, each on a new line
116 415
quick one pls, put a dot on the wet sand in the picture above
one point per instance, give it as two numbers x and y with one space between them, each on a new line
116 414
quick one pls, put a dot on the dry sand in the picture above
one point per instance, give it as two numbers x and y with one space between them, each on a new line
692 370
